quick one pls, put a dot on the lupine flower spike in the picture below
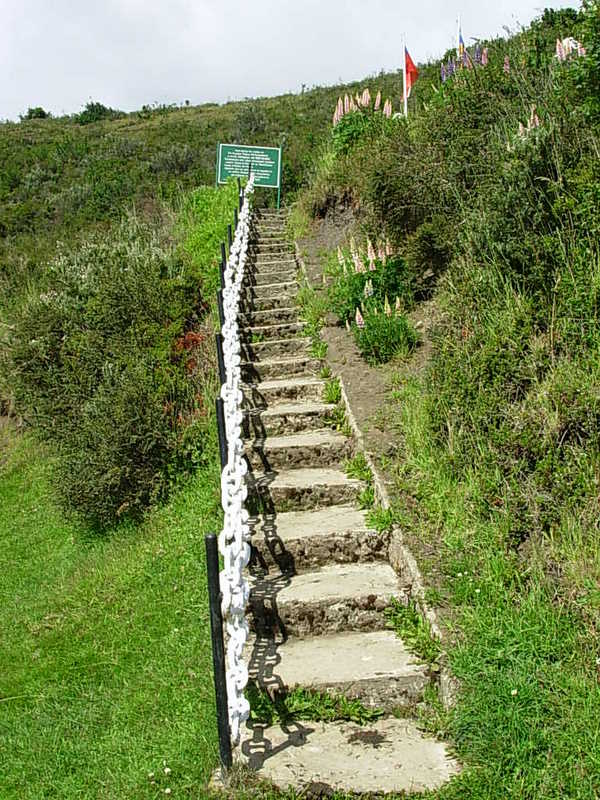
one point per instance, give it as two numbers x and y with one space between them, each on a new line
377 101
398 306
484 57
347 325
370 250
387 308
388 247
352 246
346 104
381 254
358 264
359 319
340 255
372 265
506 64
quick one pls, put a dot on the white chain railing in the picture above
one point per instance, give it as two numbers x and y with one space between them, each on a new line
234 540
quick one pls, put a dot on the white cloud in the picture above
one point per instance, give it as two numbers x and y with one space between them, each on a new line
124 53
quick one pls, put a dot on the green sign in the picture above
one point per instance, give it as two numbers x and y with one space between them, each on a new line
233 161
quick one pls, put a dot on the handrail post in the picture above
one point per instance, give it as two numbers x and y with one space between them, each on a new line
222 431
218 651
220 358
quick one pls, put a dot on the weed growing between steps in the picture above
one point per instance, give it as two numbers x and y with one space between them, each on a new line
306 704
332 391
414 630
357 467
312 310
381 519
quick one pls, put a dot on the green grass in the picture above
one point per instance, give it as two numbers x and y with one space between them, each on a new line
522 644
332 392
105 664
414 630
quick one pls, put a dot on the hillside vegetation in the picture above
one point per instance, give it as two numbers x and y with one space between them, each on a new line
490 195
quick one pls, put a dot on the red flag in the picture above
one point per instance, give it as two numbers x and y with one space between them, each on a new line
412 73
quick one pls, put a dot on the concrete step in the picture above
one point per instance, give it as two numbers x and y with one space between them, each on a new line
272 266
323 448
286 418
334 598
271 392
275 348
250 302
280 367
263 290
262 333
388 756
374 667
299 541
278 316
302 489
279 275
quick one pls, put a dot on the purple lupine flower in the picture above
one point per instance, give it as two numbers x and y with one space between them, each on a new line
484 57
477 54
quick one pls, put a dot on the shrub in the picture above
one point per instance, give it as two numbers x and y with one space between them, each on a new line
384 337
95 112
35 113
106 365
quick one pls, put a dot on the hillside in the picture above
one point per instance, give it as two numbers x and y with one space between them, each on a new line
467 284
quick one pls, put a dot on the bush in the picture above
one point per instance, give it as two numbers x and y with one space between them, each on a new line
95 112
384 337
110 363
35 113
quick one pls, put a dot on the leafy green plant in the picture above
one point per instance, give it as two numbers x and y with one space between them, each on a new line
382 337
332 392
306 704
414 630
381 519
357 467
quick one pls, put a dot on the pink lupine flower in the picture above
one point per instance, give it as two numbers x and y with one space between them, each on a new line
521 130
377 101
359 319
506 67
560 50
381 254
484 57
388 247
352 104
372 265
358 263
370 250
340 255
580 49
534 120
387 308
335 118
346 104
387 108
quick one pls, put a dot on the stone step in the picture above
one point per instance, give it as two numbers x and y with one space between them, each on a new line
299 541
280 367
275 348
374 667
277 316
387 756
275 289
286 418
250 303
258 278
267 332
324 448
334 598
302 489
270 392
273 265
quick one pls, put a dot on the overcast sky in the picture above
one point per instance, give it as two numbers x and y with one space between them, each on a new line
60 53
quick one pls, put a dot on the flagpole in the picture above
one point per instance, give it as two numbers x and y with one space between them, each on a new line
404 76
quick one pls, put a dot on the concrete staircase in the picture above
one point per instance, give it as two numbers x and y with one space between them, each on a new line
320 578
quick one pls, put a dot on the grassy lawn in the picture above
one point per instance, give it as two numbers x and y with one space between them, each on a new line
105 663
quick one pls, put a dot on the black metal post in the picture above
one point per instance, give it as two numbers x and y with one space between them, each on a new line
220 359
218 650
235 218
241 199
222 431
222 265
229 237
220 307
